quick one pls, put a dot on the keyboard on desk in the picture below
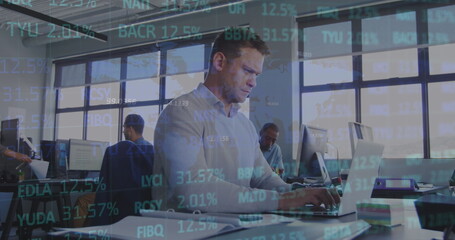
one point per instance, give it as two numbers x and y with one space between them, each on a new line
311 210
320 210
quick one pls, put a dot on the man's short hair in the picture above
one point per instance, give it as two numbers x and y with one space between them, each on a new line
266 126
136 122
232 39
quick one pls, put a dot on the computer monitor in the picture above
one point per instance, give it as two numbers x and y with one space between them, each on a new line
56 153
10 134
61 158
47 150
312 146
359 131
86 155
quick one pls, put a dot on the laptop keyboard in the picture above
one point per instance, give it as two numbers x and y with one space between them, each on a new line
313 208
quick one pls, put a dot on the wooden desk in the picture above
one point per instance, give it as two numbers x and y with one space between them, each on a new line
57 190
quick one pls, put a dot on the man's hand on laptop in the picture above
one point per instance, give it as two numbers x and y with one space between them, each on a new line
301 197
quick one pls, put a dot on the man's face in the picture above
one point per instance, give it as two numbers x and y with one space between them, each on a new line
239 75
127 131
268 138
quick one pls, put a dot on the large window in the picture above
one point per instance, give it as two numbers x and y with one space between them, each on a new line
331 110
142 90
102 125
70 125
150 115
101 94
395 113
327 70
388 66
95 94
177 85
71 97
442 119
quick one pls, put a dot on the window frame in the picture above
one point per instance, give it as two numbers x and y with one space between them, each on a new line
422 47
123 54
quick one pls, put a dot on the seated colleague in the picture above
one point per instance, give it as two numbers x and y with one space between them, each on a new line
271 151
206 149
133 128
12 154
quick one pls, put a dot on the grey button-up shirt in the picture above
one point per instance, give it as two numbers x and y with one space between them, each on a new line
274 157
209 161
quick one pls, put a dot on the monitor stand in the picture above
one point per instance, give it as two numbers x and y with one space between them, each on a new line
76 174
323 180
324 173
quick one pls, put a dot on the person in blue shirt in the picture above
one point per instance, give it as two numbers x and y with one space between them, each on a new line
133 129
269 148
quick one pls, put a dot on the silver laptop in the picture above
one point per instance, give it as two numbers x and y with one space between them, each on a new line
359 185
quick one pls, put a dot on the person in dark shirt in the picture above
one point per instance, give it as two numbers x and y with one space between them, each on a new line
133 128
12 154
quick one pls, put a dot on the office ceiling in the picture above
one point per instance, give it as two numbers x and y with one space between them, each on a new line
95 15
36 21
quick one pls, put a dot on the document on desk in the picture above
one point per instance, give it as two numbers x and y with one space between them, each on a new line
255 220
136 227
39 168
237 220
313 230
334 231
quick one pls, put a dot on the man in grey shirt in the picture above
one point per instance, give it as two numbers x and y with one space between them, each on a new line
207 152
270 149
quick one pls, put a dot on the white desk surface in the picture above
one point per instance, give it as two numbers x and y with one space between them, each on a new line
409 230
